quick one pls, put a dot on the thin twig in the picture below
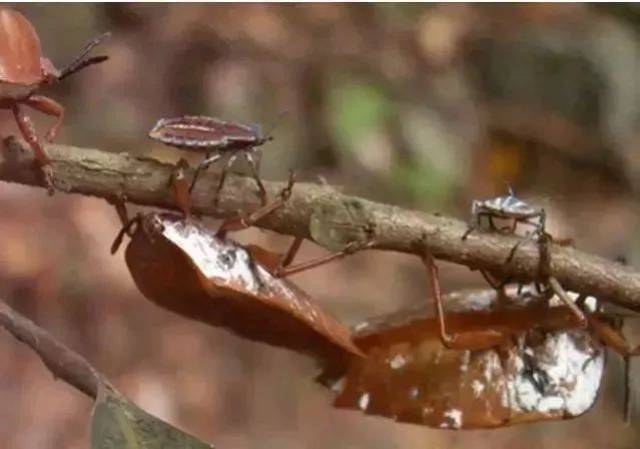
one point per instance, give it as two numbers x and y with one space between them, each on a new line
145 181
63 363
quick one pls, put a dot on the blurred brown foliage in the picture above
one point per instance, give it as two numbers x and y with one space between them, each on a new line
423 106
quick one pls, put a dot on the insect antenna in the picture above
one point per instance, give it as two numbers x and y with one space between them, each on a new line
82 61
274 124
125 230
510 190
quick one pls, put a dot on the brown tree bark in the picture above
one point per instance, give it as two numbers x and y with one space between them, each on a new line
146 181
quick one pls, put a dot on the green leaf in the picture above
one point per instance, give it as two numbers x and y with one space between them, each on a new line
117 423
424 185
357 109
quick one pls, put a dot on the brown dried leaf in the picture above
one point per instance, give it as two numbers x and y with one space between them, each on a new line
182 266
410 376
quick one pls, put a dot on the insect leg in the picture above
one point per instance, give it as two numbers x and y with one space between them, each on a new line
223 177
291 253
614 339
210 159
478 339
469 230
539 226
180 187
351 248
514 248
542 220
497 285
512 253
494 283
119 202
274 261
513 227
543 241
434 284
611 337
50 107
256 175
472 227
29 133
127 224
243 222
562 294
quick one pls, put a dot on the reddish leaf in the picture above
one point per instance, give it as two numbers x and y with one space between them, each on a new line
182 266
410 376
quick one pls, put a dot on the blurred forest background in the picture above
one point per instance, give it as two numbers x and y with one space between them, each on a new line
426 107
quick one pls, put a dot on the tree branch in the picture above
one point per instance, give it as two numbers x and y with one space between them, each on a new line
63 363
145 181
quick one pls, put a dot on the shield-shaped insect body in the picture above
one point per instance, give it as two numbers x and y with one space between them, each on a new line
508 208
206 134
23 70
216 139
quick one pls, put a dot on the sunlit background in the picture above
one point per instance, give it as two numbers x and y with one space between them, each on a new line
426 107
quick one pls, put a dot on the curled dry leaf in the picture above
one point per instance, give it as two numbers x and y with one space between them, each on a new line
184 267
410 376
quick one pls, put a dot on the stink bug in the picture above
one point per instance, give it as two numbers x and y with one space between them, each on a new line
180 265
545 371
23 70
216 139
507 208
516 211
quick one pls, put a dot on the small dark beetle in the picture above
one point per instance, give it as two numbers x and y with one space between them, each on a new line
216 139
23 70
515 211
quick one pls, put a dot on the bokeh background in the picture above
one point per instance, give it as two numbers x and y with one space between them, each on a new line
426 107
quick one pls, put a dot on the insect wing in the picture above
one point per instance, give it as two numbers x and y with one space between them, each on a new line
505 207
20 49
198 132
517 207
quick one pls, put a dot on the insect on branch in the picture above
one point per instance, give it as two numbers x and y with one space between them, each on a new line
145 182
